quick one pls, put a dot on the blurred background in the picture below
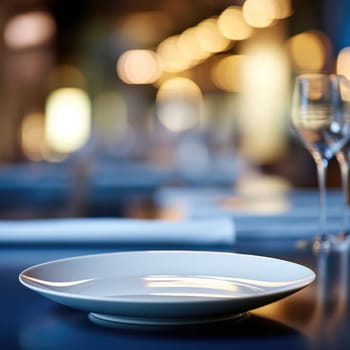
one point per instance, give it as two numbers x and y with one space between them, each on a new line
105 102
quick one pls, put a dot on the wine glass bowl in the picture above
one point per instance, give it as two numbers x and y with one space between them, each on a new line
317 114
319 121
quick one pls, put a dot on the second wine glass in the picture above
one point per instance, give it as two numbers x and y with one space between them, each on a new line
343 158
319 122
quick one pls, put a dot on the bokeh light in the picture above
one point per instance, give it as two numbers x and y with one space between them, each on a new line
29 30
283 8
189 47
309 51
259 13
232 24
67 126
210 38
172 58
343 68
179 103
343 62
263 101
138 67
226 73
33 136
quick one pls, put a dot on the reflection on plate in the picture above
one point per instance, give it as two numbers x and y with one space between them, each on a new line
166 287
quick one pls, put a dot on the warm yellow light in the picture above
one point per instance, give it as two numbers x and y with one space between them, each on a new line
33 136
232 24
308 51
172 58
67 125
262 102
283 8
259 13
179 87
343 62
226 73
138 67
179 102
209 37
260 67
189 47
343 68
29 29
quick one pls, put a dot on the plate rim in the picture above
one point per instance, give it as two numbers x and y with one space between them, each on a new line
288 289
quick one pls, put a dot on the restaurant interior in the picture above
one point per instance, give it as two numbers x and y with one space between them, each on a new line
166 124
106 102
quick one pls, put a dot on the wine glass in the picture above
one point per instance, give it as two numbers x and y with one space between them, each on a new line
319 122
343 158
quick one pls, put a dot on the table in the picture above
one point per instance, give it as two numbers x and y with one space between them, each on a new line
318 317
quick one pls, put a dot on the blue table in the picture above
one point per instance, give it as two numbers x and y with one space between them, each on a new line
317 317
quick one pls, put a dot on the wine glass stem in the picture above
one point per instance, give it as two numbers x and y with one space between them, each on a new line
344 171
322 164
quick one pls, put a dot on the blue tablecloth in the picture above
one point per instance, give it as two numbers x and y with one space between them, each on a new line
30 321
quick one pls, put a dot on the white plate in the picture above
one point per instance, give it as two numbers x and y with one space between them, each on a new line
166 287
